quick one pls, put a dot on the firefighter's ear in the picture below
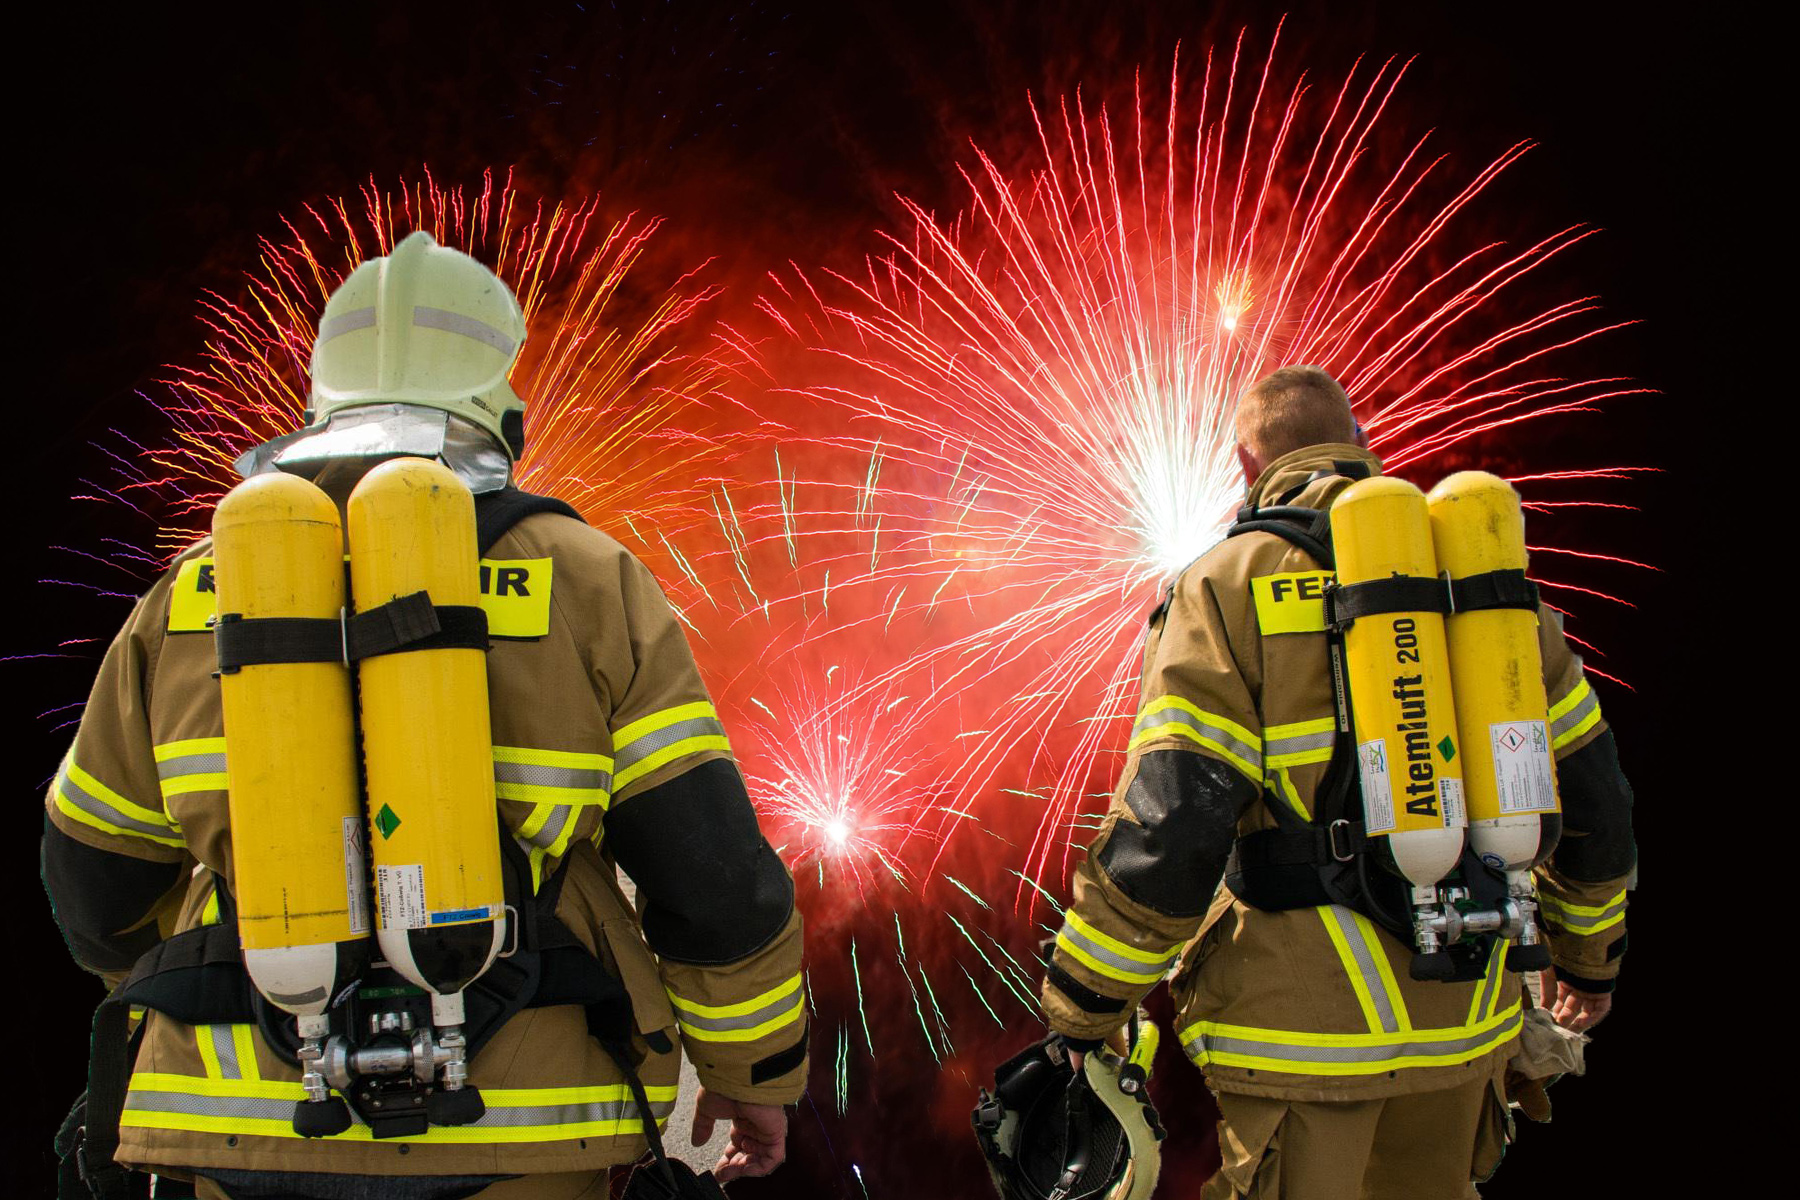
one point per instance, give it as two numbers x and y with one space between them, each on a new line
1252 466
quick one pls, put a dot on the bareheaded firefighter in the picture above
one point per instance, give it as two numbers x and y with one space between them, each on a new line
345 813
1355 1013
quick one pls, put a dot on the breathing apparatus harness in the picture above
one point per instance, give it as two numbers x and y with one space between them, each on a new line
1049 1132
198 977
1327 860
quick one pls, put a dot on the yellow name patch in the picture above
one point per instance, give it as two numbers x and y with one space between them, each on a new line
193 601
1291 602
515 594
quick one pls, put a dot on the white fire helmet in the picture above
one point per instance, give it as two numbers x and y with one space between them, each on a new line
427 326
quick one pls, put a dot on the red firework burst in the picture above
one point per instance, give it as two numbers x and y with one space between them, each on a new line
623 383
1042 389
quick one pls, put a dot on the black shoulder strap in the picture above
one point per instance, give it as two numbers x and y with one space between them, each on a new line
1307 528
497 512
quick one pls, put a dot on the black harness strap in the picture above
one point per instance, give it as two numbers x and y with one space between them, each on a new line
1493 589
1346 603
401 625
412 623
243 641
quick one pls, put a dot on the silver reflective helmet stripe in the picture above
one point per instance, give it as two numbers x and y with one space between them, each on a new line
349 322
470 327
1376 1055
1364 956
749 1020
643 746
96 807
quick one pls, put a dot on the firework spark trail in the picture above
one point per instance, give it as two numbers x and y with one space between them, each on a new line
1043 388
627 389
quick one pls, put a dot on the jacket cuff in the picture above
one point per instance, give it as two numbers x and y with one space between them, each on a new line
778 1077
1597 987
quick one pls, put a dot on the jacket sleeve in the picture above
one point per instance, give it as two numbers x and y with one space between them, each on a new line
717 904
110 852
1194 764
1582 888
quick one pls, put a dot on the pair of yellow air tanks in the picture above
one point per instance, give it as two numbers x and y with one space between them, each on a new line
1449 708
313 818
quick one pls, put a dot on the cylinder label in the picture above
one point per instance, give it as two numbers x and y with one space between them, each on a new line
1378 793
1450 799
1523 770
356 892
401 891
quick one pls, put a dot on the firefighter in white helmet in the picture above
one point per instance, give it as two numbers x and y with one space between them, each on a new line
1338 1073
607 753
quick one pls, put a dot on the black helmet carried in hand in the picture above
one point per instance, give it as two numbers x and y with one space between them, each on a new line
1050 1134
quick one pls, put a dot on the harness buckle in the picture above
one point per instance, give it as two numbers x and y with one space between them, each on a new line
1331 840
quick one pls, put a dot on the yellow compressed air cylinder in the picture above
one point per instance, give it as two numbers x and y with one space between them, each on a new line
427 748
298 875
1496 667
1398 672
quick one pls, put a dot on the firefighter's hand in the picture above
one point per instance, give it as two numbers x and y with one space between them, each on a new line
758 1134
1577 1010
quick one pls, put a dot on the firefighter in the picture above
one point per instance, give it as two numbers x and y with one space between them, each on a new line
1337 1073
607 755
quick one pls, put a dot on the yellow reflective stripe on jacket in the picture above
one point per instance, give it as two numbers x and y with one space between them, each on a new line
1110 957
556 783
1171 716
742 1022
662 737
194 765
83 798
1481 1006
266 1109
1582 919
1298 744
1366 963
1573 715
227 1051
1284 783
1296 1053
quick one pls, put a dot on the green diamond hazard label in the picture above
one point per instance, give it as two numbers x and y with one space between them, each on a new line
1447 748
387 822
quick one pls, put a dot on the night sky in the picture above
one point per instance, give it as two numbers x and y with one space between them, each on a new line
160 147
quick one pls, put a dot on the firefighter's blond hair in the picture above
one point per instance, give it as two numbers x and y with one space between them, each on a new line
1291 409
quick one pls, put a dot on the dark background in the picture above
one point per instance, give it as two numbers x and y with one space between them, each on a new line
151 149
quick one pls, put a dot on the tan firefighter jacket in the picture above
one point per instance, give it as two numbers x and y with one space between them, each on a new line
600 724
1310 1003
